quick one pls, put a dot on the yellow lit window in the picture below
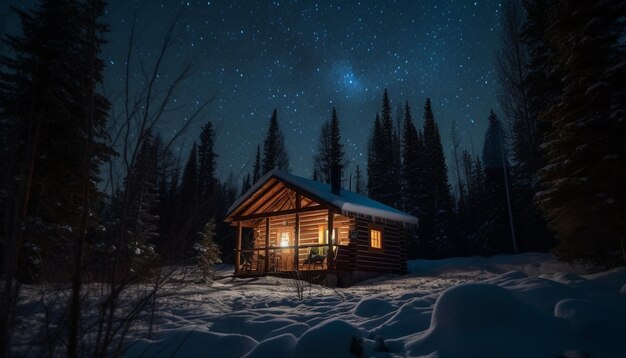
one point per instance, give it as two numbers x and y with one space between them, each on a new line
376 239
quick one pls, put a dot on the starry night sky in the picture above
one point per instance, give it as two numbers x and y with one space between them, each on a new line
305 57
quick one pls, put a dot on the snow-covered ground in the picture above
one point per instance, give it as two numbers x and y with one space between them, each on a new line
526 305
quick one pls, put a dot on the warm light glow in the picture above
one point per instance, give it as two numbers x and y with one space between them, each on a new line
284 239
376 241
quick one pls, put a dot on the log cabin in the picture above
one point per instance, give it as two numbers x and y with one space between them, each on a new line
300 226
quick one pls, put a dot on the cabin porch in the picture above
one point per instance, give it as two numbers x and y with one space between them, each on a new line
285 259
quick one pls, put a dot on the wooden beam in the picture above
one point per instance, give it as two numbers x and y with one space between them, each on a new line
279 213
270 201
238 252
249 202
330 258
296 236
312 196
267 245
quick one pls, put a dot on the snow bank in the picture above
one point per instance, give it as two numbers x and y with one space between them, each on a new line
334 338
197 341
485 320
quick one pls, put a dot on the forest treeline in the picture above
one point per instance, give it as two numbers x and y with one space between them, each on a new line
550 176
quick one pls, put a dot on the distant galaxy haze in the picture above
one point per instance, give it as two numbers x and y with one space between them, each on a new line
303 58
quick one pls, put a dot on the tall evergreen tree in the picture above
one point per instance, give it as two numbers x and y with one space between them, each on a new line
189 183
246 185
375 148
583 196
256 172
516 101
275 153
48 90
435 231
384 166
206 180
330 150
358 179
498 235
336 148
321 160
413 175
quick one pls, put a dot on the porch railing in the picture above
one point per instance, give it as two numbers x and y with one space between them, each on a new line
286 258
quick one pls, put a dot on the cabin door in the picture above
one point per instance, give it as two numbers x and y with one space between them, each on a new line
284 255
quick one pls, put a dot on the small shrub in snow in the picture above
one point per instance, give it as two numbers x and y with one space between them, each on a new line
207 252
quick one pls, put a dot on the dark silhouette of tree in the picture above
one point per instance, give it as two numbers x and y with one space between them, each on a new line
256 172
274 151
435 231
577 77
330 151
384 165
497 235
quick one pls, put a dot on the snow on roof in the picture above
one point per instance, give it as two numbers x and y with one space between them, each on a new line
350 203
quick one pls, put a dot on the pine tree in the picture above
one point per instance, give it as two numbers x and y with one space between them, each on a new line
189 183
583 196
246 185
435 231
321 160
358 187
384 166
497 235
256 172
413 175
336 148
206 180
142 217
275 153
207 252
329 151
48 91
375 175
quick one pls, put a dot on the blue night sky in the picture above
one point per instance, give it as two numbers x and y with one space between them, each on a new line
303 57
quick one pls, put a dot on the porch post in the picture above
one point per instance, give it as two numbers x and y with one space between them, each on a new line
330 258
267 244
296 236
238 250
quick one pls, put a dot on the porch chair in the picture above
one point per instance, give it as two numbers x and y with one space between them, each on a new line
313 259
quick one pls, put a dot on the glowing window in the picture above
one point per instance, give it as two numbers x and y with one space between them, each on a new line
376 239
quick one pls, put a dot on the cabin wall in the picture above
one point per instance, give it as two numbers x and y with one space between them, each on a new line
392 257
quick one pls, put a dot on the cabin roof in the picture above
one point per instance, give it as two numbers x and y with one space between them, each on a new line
348 203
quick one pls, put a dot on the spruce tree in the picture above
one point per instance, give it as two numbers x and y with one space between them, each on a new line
321 160
329 151
48 91
206 180
274 151
245 185
583 196
435 232
358 178
256 172
375 175
384 166
496 237
413 176
412 164
189 183
142 216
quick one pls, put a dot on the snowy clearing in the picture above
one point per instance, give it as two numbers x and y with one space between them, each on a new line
527 305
